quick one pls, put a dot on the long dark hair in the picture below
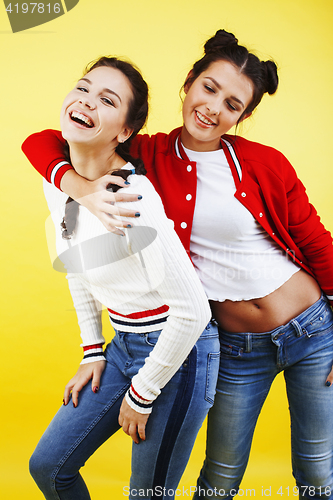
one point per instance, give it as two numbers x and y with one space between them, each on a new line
136 118
224 46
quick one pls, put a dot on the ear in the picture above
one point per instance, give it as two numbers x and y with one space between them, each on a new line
187 84
124 134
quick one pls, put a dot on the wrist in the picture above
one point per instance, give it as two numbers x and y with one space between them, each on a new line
137 403
92 353
73 184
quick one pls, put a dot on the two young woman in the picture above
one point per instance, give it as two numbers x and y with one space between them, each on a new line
262 255
156 305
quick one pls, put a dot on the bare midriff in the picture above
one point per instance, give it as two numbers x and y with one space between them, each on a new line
265 314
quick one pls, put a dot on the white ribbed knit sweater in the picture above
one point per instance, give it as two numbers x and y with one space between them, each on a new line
145 279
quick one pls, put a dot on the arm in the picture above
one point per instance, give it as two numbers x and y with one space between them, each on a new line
173 278
45 150
88 310
309 234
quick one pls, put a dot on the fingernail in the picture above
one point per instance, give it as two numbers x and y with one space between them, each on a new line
127 183
137 214
328 383
63 402
139 197
128 225
95 389
74 404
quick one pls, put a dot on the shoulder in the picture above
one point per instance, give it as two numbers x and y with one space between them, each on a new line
260 157
251 150
140 184
157 143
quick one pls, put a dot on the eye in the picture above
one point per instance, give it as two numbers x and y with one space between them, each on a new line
231 106
108 101
82 89
209 89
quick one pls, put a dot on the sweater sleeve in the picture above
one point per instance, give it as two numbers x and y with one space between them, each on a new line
88 311
172 275
45 151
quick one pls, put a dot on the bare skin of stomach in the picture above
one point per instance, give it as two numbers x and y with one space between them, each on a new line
265 314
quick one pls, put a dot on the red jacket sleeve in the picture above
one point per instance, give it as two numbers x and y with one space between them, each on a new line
308 232
46 152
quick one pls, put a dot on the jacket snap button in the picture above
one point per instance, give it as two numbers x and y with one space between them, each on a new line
183 225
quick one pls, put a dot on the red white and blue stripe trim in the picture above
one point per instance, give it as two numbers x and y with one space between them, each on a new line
57 171
136 402
139 322
92 353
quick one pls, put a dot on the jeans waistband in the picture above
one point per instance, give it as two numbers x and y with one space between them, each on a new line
303 322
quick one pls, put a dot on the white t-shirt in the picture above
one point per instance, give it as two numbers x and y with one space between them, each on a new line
234 256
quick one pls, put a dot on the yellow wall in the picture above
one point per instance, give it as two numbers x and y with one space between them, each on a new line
39 345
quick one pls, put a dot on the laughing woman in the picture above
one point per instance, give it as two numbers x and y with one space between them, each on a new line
155 301
261 252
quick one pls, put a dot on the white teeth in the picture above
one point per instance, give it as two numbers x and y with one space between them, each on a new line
203 119
82 118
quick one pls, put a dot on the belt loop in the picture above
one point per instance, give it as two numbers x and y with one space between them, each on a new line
297 327
248 342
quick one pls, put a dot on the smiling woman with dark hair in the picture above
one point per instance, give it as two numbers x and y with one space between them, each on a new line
157 363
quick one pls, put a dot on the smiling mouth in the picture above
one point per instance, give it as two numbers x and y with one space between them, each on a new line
81 119
203 119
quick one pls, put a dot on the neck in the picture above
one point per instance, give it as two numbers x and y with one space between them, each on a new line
92 163
194 144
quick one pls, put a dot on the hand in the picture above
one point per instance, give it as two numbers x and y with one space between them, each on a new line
83 375
329 380
132 422
100 202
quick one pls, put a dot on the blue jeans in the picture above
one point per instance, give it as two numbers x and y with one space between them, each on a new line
75 433
249 363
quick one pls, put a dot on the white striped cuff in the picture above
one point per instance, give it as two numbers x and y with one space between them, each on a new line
55 169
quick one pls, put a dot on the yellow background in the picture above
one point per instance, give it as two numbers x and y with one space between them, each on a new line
39 333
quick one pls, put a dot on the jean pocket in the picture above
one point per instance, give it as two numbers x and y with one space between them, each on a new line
321 324
151 338
231 350
213 364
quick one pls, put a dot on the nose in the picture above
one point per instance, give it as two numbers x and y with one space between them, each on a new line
86 102
212 109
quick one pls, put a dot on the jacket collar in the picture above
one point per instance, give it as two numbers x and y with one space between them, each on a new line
227 146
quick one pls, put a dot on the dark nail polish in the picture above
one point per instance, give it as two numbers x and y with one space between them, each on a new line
328 383
95 389
127 183
139 197
128 225
74 405
137 214
63 402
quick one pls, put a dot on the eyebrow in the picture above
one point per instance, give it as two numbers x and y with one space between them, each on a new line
219 87
109 91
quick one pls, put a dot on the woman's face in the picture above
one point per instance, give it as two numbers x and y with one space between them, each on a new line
94 112
213 104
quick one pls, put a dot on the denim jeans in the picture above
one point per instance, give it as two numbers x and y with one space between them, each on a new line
75 433
249 363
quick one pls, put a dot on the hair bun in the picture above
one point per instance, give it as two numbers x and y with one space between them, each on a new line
271 76
221 39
